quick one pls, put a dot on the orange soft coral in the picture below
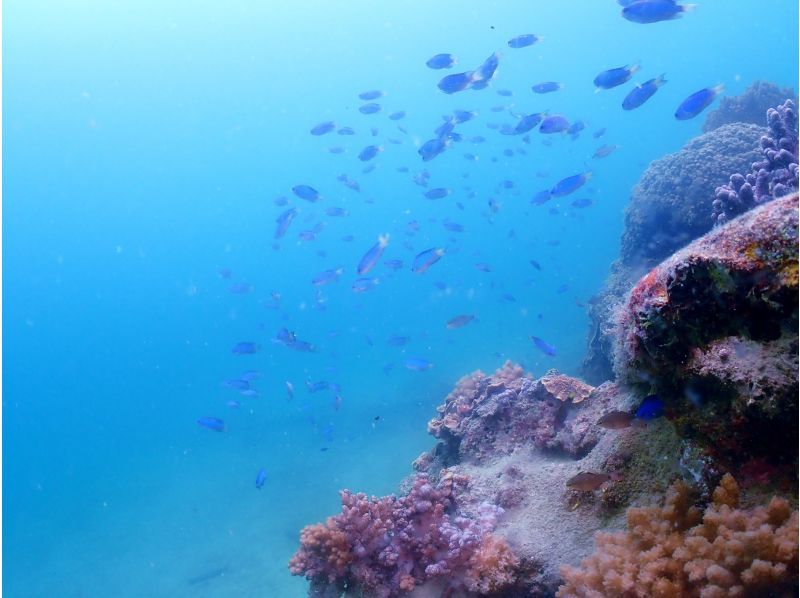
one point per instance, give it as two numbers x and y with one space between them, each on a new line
492 566
670 551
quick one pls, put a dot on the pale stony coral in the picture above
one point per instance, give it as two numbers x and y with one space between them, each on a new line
671 551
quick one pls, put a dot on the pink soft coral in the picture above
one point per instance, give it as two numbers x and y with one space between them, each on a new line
387 546
674 551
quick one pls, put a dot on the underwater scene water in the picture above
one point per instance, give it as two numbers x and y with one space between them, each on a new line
249 248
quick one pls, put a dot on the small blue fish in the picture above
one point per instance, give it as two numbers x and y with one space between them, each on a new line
459 321
327 277
506 93
604 151
251 393
456 82
535 264
373 255
462 116
398 341
454 227
346 131
641 93
547 87
616 76
245 348
584 202
418 364
441 61
397 115
261 477
362 285
555 123
576 128
426 259
250 375
541 197
323 128
543 346
432 148
369 152
437 193
485 72
306 192
653 11
283 221
523 41
569 184
370 108
599 133
285 336
233 404
652 407
481 267
348 182
697 102
212 423
335 212
527 123
372 94
289 390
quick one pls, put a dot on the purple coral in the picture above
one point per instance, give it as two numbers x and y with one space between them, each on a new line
387 546
774 176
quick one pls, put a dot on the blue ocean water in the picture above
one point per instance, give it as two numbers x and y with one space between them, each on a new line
145 144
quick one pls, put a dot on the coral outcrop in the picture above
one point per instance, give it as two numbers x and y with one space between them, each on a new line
490 415
714 329
677 550
669 207
773 176
748 107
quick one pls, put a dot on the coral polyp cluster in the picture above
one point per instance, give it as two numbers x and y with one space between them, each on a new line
775 175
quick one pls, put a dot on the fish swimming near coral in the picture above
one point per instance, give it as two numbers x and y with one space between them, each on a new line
544 346
587 481
616 420
697 102
652 407
641 93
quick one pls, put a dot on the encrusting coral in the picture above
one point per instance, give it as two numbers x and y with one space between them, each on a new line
676 550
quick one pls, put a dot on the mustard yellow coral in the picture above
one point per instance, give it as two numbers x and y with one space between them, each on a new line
672 551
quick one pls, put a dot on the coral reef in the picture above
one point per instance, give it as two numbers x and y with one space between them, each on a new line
774 176
387 546
748 107
668 208
490 415
669 205
727 301
677 551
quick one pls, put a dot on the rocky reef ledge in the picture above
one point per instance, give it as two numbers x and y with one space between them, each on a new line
678 479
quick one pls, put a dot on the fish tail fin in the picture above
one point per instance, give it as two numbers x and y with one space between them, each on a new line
635 67
688 7
660 80
383 240
718 89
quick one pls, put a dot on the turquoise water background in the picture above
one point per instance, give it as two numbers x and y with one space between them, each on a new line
144 144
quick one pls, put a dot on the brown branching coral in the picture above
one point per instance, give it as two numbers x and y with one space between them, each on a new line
672 551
